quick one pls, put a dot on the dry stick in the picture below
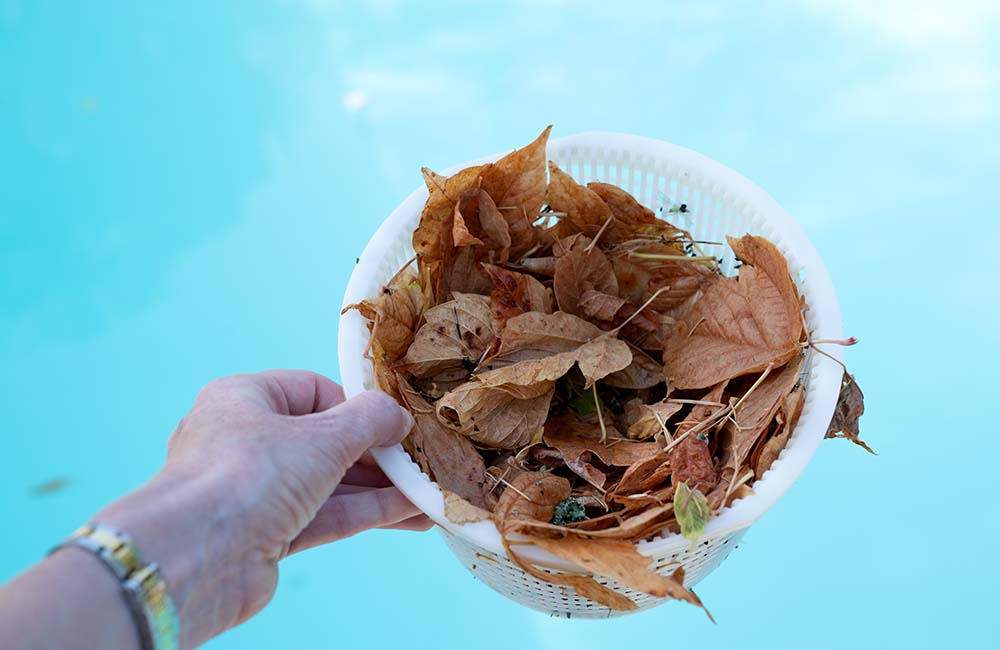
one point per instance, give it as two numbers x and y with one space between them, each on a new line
678 400
600 416
663 426
679 258
615 331
600 232
400 271
698 428
497 479
509 486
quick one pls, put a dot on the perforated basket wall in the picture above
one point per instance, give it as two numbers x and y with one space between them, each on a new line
718 202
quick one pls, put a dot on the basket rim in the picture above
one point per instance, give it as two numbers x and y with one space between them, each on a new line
824 384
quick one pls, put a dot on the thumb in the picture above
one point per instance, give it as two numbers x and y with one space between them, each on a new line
343 433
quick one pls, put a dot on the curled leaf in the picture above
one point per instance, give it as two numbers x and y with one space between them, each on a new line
581 270
504 417
514 294
850 407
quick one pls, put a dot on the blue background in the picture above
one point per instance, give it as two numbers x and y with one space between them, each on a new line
185 187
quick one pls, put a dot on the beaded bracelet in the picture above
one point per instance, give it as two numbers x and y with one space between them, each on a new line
141 583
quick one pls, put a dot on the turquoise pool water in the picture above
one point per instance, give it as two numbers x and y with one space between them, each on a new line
184 190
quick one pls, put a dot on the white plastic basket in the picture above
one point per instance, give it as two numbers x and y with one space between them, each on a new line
719 202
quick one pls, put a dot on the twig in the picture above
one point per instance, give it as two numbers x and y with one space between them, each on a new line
400 271
600 416
600 232
763 376
663 427
615 331
679 258
678 400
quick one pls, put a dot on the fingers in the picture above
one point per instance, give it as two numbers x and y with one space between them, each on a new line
344 433
300 392
366 475
418 524
344 515
286 392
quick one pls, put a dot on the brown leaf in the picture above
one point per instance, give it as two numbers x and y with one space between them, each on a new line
477 222
514 294
585 211
574 438
543 347
532 496
596 305
579 271
459 511
649 416
642 372
621 562
449 458
454 335
505 416
394 314
432 238
462 273
788 412
755 414
737 326
692 463
627 211
646 474
850 407
535 335
518 179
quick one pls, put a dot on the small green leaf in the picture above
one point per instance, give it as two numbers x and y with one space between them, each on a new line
691 510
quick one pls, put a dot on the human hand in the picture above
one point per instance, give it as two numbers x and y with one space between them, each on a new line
264 465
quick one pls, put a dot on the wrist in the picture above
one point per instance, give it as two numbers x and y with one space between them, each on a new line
177 522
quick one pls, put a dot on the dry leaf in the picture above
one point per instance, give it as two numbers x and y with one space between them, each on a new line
579 271
850 407
642 372
450 459
518 179
432 239
585 211
626 210
621 562
459 511
737 326
788 413
477 222
454 336
755 413
573 438
650 418
646 474
504 417
514 294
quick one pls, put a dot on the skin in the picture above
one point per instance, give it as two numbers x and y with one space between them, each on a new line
263 466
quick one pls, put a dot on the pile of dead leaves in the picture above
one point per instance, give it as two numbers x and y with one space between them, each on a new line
581 372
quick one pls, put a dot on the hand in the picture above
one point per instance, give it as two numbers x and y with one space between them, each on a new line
264 465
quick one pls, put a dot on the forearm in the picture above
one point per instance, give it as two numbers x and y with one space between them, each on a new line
67 601
71 600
